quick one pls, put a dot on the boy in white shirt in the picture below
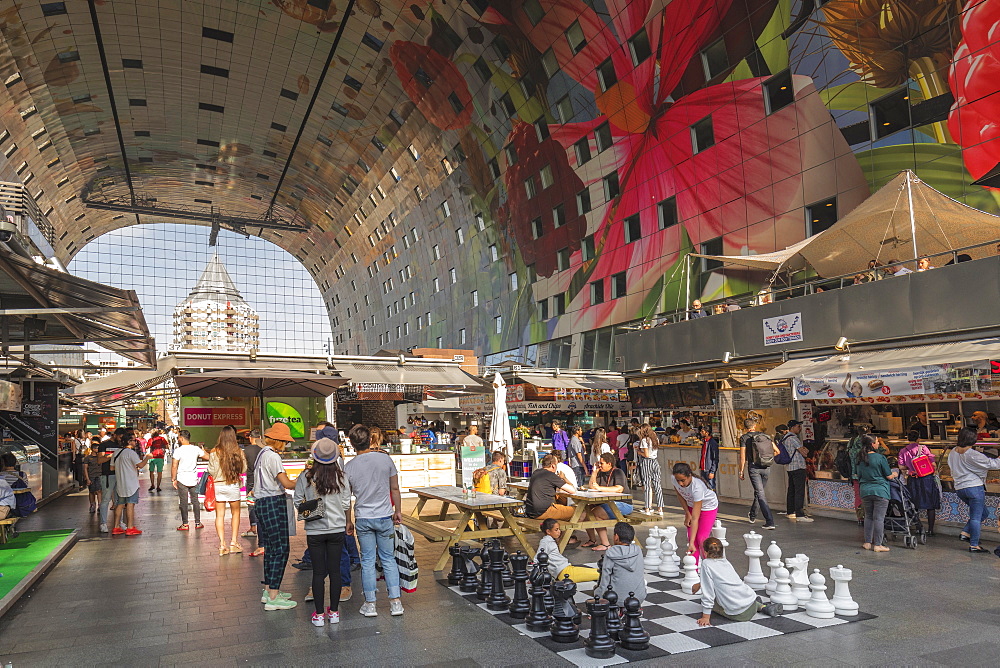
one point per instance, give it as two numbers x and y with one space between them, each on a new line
723 591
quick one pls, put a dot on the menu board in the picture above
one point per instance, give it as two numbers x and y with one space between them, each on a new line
762 398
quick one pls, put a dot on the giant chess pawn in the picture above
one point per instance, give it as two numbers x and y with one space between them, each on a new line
719 531
508 574
652 560
783 595
455 574
799 578
497 599
668 565
563 629
755 575
633 636
469 581
819 605
614 613
842 602
485 575
600 644
773 561
690 574
538 618
520 604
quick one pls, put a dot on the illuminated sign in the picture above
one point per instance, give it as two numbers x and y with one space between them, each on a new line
204 416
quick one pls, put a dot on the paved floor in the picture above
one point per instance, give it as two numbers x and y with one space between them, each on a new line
166 598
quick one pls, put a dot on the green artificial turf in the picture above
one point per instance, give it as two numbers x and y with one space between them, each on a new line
19 556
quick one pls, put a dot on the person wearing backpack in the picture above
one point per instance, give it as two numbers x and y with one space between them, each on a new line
792 454
757 452
492 479
157 448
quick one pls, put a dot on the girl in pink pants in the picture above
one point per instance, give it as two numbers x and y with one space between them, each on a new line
701 506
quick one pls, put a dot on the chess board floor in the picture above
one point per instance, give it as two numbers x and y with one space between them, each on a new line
670 617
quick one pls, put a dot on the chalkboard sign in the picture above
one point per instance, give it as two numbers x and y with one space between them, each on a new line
38 420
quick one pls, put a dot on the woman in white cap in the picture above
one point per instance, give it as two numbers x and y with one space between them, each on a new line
323 497
270 484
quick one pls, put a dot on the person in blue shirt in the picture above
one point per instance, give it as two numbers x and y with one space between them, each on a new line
559 438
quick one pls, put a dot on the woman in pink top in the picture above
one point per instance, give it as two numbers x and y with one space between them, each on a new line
924 491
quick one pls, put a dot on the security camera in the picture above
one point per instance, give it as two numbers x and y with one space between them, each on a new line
7 230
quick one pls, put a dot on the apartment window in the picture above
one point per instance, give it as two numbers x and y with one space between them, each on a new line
543 309
448 169
821 216
495 168
498 325
633 229
508 104
480 222
482 69
559 304
420 322
406 328
702 136
413 233
891 113
513 281
611 186
778 91
562 259
445 209
618 286
436 252
459 236
440 343
494 255
395 174
453 276
666 212
714 59
537 230
606 75
461 336
406 242
533 11
603 136
413 152
597 292
558 216
638 46
529 187
587 248
582 150
419 193
546 175
427 318
583 201
437 285
711 247
541 129
475 298
564 110
575 38
550 64
511 154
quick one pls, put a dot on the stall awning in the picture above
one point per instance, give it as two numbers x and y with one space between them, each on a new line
411 373
572 381
124 384
900 358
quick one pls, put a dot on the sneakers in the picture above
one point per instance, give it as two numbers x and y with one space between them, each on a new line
104 528
264 598
751 518
280 604
117 531
303 565
395 607
770 527
804 518
771 610
93 509
133 532
345 593
249 534
368 609
332 617
791 516
318 619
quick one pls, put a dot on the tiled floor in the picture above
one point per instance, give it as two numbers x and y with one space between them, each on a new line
166 598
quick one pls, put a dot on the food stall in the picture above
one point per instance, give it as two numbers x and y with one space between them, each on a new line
933 389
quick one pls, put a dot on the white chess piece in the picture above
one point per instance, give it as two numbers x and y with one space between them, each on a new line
819 605
799 578
690 574
842 602
773 562
668 564
719 531
783 595
755 576
652 560
671 535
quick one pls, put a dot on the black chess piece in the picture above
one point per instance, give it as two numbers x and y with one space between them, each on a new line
508 576
600 644
614 613
563 629
542 560
633 636
485 575
498 599
455 574
538 617
520 604
469 570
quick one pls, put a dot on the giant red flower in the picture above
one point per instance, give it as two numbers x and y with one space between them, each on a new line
433 83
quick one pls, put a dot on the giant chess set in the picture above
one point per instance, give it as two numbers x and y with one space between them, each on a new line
565 617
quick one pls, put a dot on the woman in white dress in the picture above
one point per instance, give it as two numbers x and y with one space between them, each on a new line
598 446
226 465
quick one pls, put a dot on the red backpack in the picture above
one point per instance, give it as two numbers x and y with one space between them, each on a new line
157 447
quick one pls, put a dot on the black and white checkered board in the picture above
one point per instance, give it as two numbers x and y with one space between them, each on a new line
670 617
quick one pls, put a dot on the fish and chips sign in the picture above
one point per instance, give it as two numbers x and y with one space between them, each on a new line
525 397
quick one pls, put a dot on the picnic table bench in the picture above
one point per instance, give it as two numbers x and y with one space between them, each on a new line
7 529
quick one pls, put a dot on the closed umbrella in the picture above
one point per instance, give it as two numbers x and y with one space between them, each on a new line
500 438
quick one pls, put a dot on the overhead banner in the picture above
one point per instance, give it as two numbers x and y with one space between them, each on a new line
783 329
969 377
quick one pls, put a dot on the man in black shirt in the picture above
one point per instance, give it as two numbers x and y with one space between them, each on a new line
540 503
749 460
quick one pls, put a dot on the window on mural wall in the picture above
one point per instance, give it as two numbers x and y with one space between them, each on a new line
603 136
638 46
711 247
537 230
597 292
575 37
714 59
587 248
606 74
543 309
562 259
821 216
533 10
611 190
475 298
618 285
778 91
497 325
461 337
545 173
564 109
558 216
529 187
633 229
702 135
666 212
559 303
582 150
511 154
549 64
891 113
583 201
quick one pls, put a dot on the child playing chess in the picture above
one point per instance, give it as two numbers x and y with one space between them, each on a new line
723 591
558 564
621 566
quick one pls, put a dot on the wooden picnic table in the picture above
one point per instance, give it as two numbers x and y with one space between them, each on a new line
583 499
470 507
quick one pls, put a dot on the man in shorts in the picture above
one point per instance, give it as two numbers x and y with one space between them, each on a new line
126 463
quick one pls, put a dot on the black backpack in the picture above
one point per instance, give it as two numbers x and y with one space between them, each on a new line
762 449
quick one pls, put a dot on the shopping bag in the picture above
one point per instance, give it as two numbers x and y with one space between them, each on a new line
406 559
209 494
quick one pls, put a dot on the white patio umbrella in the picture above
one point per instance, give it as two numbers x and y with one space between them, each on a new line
500 438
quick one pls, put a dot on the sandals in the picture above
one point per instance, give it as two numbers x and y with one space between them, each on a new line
880 548
866 546
235 549
183 527
600 548
259 552
223 551
589 543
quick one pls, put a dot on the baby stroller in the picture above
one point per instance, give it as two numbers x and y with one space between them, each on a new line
902 517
